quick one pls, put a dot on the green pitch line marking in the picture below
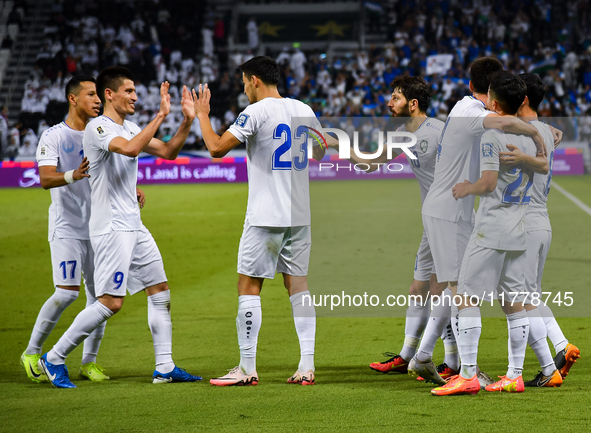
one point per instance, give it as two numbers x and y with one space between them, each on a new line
572 198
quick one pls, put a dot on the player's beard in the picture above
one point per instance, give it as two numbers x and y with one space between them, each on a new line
405 112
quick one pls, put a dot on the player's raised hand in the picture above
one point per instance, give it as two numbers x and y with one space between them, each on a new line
461 189
557 134
201 100
80 172
187 105
164 98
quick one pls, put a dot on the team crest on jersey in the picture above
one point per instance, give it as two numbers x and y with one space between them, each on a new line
43 151
424 146
241 120
487 150
68 147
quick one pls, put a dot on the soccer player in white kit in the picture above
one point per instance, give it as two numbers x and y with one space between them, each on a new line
62 168
410 100
495 259
447 222
276 236
126 255
539 236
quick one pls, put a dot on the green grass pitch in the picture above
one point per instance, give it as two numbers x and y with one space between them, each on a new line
197 228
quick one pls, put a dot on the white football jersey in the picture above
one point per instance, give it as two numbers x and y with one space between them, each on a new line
457 160
275 131
113 178
500 220
61 146
537 212
425 150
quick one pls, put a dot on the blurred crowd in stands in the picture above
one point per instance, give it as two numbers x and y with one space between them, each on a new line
187 44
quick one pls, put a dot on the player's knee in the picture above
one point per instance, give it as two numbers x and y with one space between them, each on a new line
418 288
112 303
249 285
72 288
436 288
158 288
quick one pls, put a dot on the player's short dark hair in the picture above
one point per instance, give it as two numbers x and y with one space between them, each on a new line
111 78
536 90
413 88
74 86
262 67
508 90
481 72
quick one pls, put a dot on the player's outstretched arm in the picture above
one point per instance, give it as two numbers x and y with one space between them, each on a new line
136 145
487 183
217 146
51 178
514 125
171 149
539 163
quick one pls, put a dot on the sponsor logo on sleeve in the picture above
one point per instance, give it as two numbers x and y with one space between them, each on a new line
241 120
43 152
487 150
101 130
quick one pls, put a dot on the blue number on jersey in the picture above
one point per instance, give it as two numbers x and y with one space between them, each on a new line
415 162
521 193
118 279
547 189
283 148
71 263
300 162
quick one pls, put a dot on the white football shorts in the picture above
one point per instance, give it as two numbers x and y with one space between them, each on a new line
264 251
424 265
447 240
126 260
538 245
70 258
486 273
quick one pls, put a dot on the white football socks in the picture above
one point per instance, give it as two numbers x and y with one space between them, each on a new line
93 342
304 318
452 357
417 316
518 325
453 320
161 329
248 325
470 328
84 323
553 328
538 342
48 317
437 321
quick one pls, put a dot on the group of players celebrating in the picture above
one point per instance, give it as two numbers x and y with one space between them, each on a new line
492 145
90 163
